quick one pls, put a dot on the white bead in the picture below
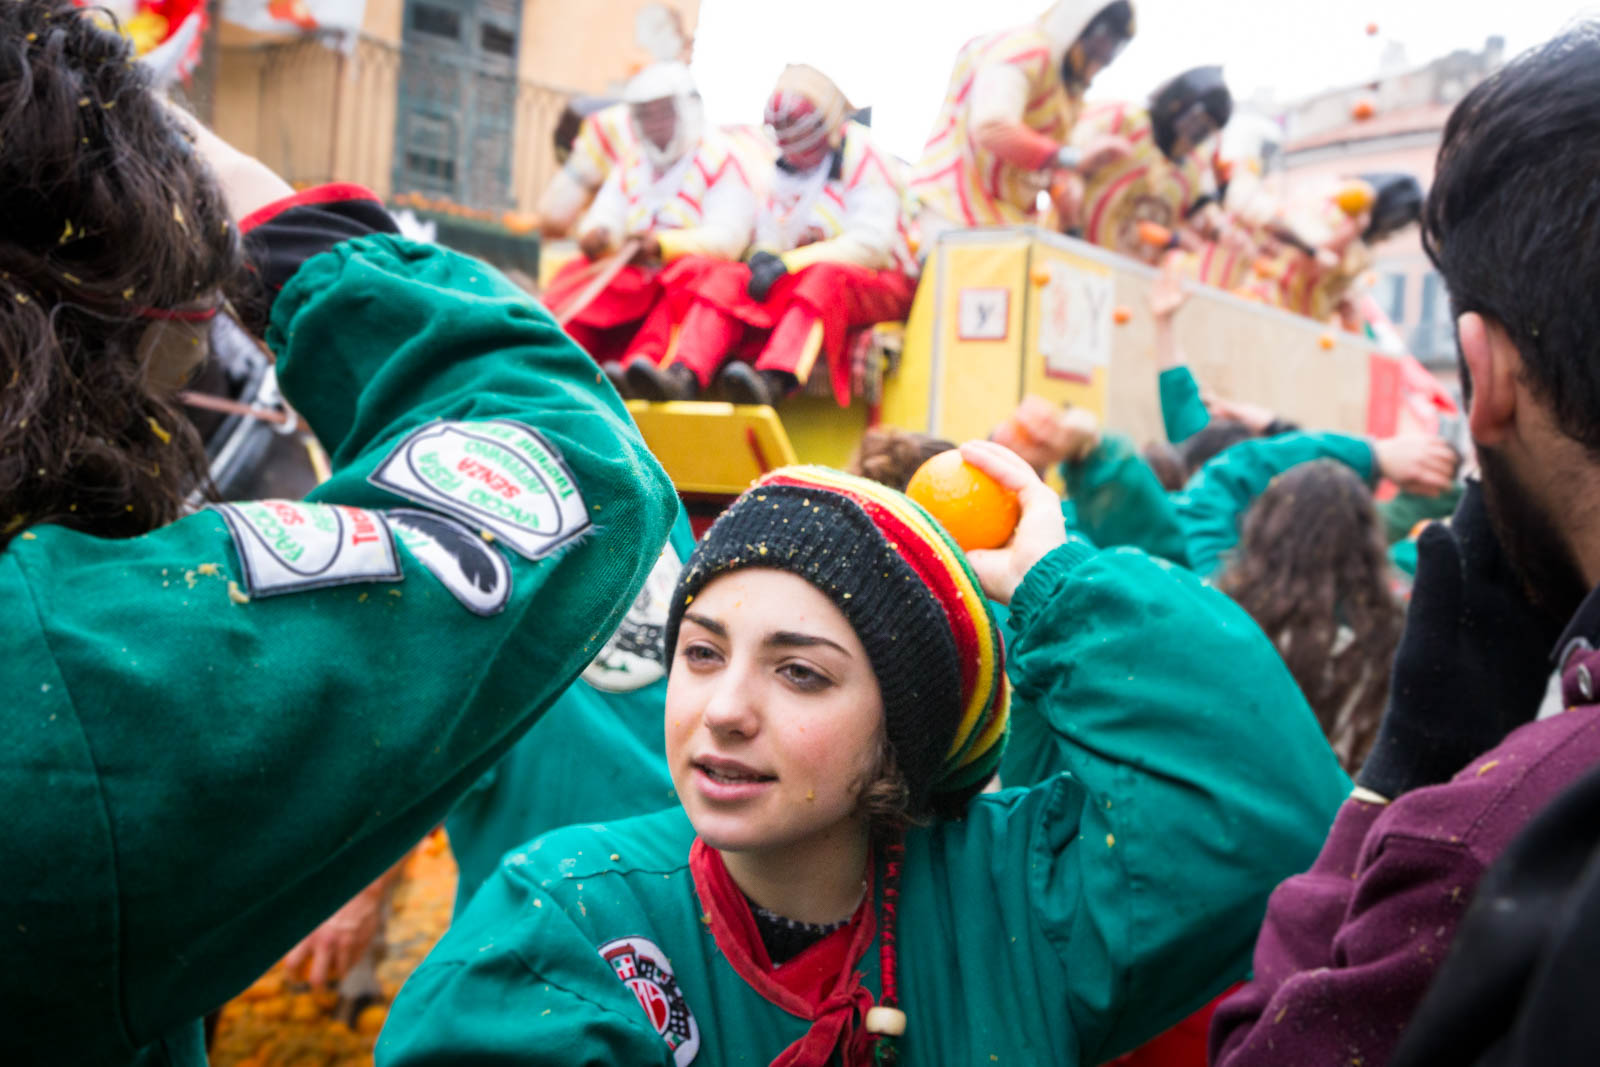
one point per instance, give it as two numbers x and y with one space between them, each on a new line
889 1021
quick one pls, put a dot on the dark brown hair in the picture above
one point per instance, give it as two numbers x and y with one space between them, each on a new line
890 456
1166 463
108 215
885 799
1311 569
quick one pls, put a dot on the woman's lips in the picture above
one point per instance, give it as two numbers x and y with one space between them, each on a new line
729 780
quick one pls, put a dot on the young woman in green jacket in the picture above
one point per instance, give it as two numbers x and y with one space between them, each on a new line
220 723
835 888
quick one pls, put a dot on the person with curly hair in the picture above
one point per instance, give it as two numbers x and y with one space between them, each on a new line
1311 569
224 719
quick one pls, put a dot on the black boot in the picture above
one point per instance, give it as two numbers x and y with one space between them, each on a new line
650 382
743 384
618 380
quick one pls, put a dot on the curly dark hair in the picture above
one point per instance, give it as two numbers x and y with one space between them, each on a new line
1311 569
109 215
890 456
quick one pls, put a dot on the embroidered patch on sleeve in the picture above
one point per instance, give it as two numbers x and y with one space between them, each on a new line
635 656
286 546
469 567
498 475
644 969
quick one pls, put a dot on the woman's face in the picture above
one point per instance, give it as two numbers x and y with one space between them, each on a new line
774 719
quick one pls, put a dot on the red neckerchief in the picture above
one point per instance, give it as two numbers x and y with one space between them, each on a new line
820 985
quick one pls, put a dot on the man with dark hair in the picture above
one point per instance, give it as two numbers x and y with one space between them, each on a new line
1349 949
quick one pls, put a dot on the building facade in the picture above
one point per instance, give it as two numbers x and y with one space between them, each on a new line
1325 142
450 102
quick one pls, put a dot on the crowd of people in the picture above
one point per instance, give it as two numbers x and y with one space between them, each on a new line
1196 767
714 260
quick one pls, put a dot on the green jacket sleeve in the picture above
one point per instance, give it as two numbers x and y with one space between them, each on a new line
1402 514
1183 413
225 769
1118 501
1204 776
1212 506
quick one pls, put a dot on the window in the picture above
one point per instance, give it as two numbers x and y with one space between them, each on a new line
500 41
438 21
1390 293
1433 339
431 167
1432 291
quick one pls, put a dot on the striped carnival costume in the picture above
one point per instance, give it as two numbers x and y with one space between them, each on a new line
1003 130
1313 274
680 192
1167 179
832 255
603 141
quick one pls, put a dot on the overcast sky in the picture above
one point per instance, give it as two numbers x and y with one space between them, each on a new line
896 54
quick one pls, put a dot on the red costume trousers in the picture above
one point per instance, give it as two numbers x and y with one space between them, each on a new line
718 321
628 311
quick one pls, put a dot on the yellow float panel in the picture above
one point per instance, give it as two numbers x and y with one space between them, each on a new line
821 431
713 447
977 354
1068 340
1008 311
907 392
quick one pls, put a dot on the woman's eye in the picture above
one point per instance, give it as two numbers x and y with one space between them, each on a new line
698 655
804 678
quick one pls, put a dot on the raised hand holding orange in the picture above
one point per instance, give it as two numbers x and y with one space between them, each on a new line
974 509
1038 529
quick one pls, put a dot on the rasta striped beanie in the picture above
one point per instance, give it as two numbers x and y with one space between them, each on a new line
911 598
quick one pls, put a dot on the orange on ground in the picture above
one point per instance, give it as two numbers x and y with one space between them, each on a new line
371 1019
972 507
281 1022
1121 315
1154 234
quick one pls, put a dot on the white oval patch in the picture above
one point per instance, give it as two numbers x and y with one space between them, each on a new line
497 474
288 545
644 969
635 655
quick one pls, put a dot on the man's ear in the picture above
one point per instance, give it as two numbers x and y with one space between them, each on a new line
1493 363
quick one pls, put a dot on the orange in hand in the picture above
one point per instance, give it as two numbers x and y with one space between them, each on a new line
1355 196
970 505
